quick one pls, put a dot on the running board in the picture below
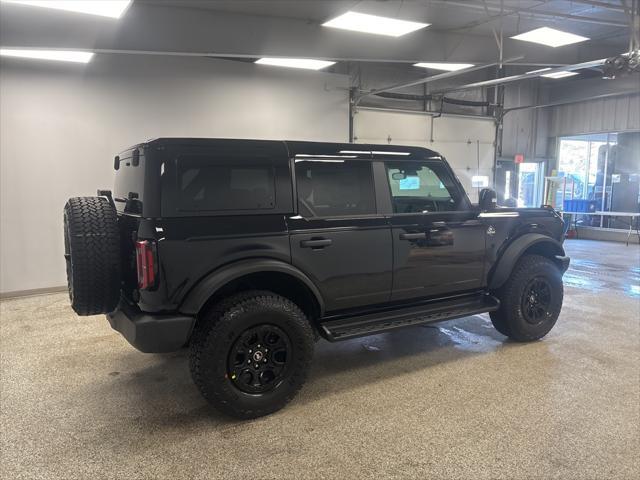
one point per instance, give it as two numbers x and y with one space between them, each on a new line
436 311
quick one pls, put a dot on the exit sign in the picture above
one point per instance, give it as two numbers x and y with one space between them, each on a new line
519 158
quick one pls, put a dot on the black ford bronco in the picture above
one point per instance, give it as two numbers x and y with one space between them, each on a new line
247 251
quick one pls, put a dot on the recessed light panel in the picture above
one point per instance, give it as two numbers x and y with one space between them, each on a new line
550 37
104 8
362 22
448 67
305 63
58 55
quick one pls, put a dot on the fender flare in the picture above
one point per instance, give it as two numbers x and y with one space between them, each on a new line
214 281
516 249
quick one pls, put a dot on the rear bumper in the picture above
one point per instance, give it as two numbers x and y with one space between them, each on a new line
151 333
564 262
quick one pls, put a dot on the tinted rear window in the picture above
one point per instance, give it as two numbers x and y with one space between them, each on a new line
205 184
129 183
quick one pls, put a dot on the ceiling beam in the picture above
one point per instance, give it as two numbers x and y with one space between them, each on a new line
532 12
605 5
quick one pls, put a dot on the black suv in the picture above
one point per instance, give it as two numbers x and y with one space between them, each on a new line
247 251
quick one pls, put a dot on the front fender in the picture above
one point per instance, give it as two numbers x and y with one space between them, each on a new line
542 244
214 281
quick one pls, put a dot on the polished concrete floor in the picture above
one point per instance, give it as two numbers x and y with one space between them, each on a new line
454 400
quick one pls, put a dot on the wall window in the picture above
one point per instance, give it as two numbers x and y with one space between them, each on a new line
604 169
208 185
334 188
580 158
421 188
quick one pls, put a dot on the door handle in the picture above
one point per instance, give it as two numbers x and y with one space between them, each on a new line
413 236
316 243
439 224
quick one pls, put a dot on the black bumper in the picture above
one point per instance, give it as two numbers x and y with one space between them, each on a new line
151 333
564 262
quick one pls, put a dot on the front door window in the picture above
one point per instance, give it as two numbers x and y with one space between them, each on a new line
421 188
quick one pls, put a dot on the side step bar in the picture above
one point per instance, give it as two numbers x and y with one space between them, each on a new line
436 311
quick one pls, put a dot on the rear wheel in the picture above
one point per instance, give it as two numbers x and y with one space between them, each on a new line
530 300
251 353
92 255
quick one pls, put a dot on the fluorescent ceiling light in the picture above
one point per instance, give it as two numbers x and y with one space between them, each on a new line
104 8
561 74
59 55
449 67
305 63
550 37
361 22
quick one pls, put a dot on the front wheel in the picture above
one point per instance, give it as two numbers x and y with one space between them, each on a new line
530 299
251 353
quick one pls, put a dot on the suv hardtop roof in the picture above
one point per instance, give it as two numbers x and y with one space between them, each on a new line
345 150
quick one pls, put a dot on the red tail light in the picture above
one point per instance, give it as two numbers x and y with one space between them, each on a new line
146 262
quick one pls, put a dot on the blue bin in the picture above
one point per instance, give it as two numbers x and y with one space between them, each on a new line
582 206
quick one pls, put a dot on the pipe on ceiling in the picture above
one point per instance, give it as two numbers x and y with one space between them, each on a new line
432 78
522 76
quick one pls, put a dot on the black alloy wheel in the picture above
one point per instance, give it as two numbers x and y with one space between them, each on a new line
536 300
258 360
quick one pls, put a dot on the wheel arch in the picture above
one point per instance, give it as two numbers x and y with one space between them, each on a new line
264 274
529 243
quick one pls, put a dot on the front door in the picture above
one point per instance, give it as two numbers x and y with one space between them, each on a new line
439 242
338 239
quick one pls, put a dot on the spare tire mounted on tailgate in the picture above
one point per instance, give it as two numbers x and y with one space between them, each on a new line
92 254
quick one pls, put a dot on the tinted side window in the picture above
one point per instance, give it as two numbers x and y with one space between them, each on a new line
213 186
421 188
332 189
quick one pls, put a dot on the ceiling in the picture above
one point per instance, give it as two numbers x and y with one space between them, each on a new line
604 20
461 30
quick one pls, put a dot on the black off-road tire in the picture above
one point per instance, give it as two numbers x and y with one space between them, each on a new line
513 319
218 332
92 254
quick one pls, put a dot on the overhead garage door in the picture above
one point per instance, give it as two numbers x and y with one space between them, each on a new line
467 143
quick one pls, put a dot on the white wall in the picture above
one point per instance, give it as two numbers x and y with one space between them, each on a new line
61 125
454 137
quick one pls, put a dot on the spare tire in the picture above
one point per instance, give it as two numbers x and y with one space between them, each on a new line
92 254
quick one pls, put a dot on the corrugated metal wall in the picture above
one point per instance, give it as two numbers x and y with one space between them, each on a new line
525 131
618 114
533 132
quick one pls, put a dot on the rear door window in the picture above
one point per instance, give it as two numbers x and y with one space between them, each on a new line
334 188
207 185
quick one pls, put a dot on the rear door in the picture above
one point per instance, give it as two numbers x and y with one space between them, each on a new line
439 242
338 238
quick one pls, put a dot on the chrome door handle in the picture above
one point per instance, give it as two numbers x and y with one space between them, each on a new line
413 236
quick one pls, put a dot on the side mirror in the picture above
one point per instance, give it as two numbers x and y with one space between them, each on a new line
487 199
